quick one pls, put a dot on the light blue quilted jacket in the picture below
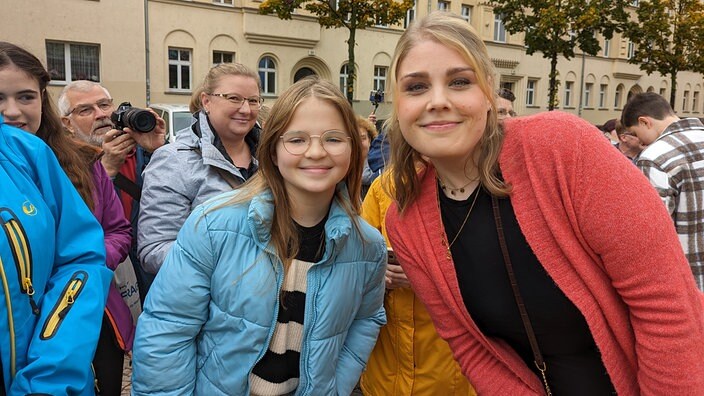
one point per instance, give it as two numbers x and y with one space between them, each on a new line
211 311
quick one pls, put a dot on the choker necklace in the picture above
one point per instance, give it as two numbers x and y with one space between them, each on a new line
451 190
476 195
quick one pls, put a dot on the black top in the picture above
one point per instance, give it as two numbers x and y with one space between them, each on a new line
574 365
279 368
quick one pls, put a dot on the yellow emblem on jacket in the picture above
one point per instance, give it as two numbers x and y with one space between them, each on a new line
28 208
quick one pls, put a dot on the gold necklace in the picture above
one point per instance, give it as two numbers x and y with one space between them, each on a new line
464 222
452 190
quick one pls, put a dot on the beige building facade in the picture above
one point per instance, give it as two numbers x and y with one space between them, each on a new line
157 51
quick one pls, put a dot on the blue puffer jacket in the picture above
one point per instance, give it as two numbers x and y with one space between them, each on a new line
51 247
212 310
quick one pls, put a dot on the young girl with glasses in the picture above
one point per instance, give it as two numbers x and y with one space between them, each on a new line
275 288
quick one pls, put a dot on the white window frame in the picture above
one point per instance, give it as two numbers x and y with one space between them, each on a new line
568 93
221 55
685 102
466 13
227 3
180 66
499 29
380 74
68 72
630 49
603 92
695 102
444 5
344 76
410 15
531 90
264 72
587 100
618 96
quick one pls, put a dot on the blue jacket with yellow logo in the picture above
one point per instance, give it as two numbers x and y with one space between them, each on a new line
52 273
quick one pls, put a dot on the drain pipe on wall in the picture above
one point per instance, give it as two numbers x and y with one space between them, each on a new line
146 51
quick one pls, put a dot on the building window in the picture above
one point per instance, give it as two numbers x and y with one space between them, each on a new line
499 29
70 62
410 15
444 5
223 57
617 97
179 69
607 48
603 88
506 85
568 93
588 87
663 91
530 92
380 78
344 75
685 102
695 102
224 2
631 49
466 13
267 74
634 3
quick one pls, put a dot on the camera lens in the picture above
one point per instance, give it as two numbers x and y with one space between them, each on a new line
140 120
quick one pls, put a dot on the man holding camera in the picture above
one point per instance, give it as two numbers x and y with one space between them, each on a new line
86 108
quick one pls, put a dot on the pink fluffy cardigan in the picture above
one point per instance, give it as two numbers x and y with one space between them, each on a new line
602 234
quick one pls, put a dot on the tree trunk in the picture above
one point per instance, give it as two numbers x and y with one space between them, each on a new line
552 98
352 72
673 90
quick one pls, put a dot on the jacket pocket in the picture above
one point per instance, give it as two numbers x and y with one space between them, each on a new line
63 305
19 245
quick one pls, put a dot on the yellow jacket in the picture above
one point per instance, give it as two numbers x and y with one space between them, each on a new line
409 357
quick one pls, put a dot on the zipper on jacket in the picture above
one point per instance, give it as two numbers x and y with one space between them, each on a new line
19 245
10 321
63 305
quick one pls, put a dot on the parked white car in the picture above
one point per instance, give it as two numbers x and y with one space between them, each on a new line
176 116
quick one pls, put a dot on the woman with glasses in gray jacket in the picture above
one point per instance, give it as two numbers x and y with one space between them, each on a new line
213 156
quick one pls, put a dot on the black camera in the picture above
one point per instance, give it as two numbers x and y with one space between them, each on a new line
134 118
376 97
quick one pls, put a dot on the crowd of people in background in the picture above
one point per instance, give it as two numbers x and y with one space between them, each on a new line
296 247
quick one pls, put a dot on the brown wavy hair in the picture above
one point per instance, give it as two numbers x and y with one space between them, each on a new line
76 158
453 32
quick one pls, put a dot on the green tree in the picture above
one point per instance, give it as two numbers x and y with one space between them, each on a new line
557 27
668 37
350 14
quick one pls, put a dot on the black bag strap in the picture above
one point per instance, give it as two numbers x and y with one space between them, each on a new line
537 356
128 186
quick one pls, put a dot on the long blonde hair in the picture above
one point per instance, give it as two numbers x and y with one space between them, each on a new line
453 32
284 235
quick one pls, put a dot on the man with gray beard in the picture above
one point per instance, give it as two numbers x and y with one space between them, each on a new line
85 108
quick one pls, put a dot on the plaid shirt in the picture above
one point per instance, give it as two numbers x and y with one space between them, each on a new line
674 164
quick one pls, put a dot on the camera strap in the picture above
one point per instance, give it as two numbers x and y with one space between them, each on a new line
128 186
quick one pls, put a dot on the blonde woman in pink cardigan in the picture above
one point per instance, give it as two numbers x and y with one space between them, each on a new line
545 259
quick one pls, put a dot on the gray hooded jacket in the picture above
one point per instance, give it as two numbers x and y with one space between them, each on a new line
179 177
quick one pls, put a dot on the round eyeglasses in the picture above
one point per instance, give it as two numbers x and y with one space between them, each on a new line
298 142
